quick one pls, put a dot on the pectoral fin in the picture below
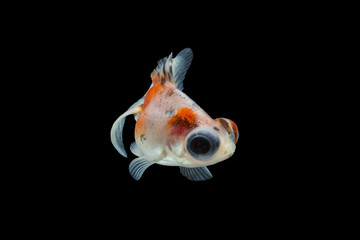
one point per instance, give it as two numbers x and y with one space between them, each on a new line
138 166
135 149
117 128
196 174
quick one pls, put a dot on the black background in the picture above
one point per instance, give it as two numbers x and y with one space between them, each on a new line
234 74
91 68
237 73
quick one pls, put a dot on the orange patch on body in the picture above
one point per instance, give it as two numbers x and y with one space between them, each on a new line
151 93
162 91
183 120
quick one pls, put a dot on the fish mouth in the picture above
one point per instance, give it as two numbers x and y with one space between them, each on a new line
233 149
231 153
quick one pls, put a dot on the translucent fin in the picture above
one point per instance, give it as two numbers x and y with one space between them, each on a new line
117 128
180 66
163 72
135 149
173 69
138 166
196 174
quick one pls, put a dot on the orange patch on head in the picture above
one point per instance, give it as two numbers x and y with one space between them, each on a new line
184 119
230 127
234 130
224 123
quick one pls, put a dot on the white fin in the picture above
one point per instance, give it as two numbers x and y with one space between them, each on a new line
135 149
138 166
180 65
117 128
196 174
173 69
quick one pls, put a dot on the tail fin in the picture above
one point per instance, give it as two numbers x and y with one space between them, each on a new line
173 70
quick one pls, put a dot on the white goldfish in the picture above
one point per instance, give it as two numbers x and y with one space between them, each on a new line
171 129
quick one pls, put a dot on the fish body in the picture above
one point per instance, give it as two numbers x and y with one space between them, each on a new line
171 129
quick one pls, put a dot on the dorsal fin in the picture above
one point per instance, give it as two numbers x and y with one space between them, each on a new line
163 72
173 70
181 64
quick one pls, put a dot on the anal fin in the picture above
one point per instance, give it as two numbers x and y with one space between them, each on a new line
196 174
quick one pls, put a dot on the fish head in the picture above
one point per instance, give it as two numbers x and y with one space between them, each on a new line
206 142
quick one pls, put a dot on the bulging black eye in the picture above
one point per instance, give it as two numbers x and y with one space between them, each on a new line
202 144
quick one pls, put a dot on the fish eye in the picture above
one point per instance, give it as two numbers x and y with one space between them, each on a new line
202 144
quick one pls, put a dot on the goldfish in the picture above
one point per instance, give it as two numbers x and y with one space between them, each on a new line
171 129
